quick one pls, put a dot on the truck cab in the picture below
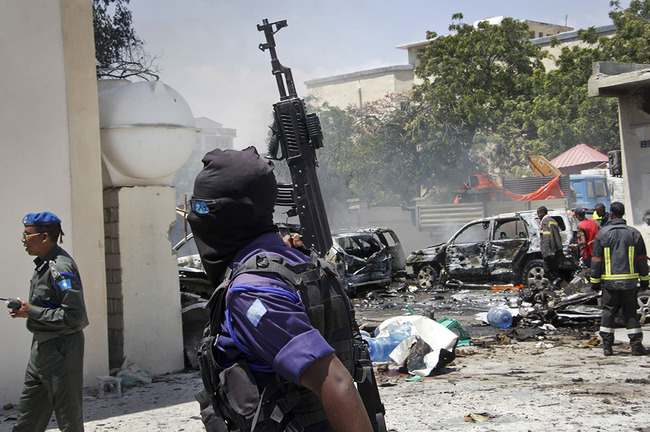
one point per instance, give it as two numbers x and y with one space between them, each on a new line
590 190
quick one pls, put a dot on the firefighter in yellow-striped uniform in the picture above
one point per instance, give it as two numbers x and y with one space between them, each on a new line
619 261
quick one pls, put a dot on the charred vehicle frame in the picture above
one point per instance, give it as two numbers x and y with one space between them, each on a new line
497 249
367 256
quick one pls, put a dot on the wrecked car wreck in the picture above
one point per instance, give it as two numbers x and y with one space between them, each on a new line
497 249
367 256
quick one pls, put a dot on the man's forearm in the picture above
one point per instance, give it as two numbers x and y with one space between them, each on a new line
332 383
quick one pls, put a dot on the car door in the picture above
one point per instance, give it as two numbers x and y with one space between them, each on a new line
465 253
508 242
394 247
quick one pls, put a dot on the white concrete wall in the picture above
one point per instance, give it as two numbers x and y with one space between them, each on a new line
151 296
635 128
363 87
50 161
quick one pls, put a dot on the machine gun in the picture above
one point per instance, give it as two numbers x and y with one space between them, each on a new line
296 136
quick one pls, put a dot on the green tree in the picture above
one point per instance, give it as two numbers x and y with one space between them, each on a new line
476 80
378 152
119 52
339 128
563 114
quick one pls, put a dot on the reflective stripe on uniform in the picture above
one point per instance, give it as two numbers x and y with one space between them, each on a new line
608 265
630 258
594 280
606 330
621 276
634 331
644 278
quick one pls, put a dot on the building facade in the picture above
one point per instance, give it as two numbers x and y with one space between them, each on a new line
357 88
51 161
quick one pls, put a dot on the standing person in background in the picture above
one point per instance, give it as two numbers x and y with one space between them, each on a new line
56 315
587 232
600 215
619 261
550 244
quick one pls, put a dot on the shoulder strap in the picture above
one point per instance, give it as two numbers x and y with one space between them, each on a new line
216 307
295 275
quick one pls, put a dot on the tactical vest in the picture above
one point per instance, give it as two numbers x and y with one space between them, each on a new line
245 400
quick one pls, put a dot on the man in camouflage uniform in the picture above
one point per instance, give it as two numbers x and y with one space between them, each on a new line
618 262
56 315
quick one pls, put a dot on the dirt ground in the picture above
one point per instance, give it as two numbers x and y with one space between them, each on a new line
554 380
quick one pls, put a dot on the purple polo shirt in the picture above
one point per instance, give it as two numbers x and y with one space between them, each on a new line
265 321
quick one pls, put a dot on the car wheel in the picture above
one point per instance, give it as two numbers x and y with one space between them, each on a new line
427 277
644 307
533 276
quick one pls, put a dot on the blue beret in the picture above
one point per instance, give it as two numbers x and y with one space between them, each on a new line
43 218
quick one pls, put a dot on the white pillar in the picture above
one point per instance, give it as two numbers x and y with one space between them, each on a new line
144 306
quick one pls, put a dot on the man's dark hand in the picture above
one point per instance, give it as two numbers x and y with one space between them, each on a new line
595 286
643 285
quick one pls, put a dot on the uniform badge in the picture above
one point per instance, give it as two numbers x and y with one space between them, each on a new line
256 311
65 284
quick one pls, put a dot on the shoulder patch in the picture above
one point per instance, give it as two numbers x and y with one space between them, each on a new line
65 284
256 311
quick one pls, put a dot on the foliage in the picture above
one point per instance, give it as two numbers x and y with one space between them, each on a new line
378 152
564 115
476 80
339 127
484 105
119 53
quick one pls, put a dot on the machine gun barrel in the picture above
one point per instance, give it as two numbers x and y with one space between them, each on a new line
296 136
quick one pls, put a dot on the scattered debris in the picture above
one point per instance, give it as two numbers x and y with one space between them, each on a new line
637 381
132 375
464 337
541 345
413 378
594 341
109 387
429 347
477 417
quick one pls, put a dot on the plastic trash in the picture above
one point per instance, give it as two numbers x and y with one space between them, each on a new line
381 346
394 330
464 337
499 317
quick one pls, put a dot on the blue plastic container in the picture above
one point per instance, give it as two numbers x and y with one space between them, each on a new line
499 317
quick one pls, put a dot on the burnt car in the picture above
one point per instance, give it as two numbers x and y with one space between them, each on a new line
367 256
497 249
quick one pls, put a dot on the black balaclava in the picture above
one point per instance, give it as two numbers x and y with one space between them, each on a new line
245 188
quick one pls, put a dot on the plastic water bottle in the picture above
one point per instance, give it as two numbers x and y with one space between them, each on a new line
376 347
399 333
499 317
381 350
380 347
